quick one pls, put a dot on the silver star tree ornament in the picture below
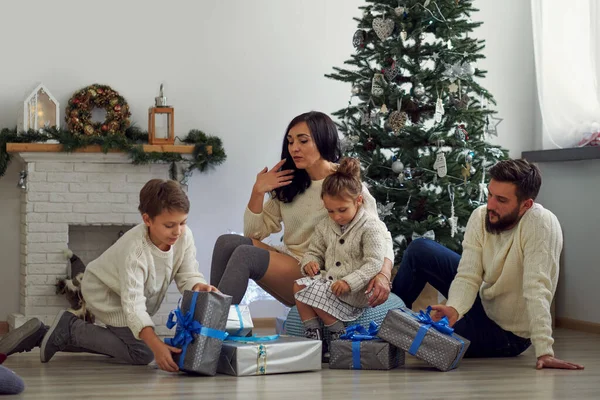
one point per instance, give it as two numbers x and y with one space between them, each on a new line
492 126
385 210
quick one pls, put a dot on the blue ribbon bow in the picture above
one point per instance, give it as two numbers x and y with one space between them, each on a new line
442 326
358 333
187 327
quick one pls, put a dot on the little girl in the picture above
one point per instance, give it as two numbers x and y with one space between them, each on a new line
346 252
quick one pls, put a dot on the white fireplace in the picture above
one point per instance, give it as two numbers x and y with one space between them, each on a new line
80 201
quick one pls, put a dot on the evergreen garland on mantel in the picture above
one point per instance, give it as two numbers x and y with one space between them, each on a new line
131 143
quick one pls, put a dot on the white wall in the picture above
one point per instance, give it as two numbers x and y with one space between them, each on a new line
569 191
511 70
236 69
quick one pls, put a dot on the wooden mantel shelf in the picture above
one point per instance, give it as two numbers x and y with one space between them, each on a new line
56 148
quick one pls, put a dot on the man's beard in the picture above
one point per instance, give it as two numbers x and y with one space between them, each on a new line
503 223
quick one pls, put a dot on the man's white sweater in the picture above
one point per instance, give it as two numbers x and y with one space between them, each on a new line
515 273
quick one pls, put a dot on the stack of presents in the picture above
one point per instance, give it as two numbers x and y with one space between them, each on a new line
216 337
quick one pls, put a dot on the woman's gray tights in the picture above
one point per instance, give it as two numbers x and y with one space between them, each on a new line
235 261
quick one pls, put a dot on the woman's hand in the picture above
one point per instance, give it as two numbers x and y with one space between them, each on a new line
268 180
378 290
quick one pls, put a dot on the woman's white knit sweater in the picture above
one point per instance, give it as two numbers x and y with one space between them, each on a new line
300 218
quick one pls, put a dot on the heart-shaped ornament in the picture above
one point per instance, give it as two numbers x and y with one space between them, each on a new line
383 27
391 72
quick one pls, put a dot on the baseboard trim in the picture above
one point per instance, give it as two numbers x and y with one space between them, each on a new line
3 327
577 325
264 323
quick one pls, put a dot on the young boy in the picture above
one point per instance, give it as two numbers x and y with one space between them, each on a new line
126 285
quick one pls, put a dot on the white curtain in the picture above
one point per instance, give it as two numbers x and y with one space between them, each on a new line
566 58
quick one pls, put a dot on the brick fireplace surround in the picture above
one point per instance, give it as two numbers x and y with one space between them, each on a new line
68 194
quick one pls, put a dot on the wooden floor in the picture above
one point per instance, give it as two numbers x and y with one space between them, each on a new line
96 377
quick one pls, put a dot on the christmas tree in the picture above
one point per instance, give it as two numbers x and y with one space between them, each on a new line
418 119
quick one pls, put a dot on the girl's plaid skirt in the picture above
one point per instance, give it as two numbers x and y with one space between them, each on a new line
318 294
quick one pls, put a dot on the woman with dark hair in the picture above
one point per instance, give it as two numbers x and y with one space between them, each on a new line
309 154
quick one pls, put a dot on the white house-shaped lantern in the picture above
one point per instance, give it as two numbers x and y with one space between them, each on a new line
40 110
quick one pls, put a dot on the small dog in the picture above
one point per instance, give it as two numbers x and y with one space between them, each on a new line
71 288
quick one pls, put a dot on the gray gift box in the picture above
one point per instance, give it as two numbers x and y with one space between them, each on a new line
282 355
443 351
373 354
211 311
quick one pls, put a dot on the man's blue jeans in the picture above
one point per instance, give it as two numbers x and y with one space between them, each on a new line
426 261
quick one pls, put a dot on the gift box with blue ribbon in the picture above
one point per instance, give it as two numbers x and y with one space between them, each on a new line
239 321
244 356
417 334
361 348
280 325
200 330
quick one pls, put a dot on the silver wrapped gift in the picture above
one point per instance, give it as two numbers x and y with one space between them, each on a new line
239 321
280 325
200 331
365 354
278 356
432 342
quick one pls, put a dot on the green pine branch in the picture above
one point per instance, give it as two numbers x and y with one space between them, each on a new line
439 37
131 143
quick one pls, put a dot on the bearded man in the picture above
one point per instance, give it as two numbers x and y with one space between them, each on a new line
500 291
